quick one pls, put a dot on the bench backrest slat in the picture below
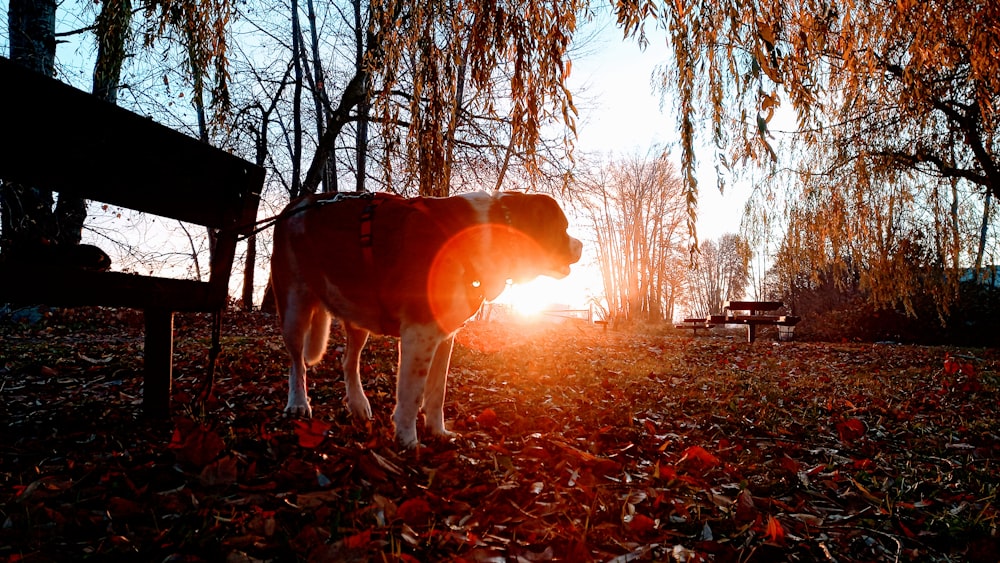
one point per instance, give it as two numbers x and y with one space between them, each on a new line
59 138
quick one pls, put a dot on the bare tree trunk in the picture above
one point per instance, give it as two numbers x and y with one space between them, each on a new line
355 93
112 29
956 243
364 108
27 218
260 158
297 104
250 264
246 298
983 231
320 100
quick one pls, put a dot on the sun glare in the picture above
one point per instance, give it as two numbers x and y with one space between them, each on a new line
534 299
529 299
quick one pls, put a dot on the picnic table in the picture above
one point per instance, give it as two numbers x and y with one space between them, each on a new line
695 324
753 314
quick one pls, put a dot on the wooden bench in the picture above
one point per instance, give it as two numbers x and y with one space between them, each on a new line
695 324
61 139
751 314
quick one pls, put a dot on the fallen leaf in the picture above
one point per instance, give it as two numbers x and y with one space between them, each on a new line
699 456
488 418
415 512
641 524
194 443
851 430
311 432
775 532
220 472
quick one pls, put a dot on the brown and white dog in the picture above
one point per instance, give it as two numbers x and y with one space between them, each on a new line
414 268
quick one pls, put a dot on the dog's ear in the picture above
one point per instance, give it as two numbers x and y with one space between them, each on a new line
537 215
540 218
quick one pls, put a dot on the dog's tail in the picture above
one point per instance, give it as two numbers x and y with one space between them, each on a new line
317 335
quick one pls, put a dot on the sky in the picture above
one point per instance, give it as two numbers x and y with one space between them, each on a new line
620 113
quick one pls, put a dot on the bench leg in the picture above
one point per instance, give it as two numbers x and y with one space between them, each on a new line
751 332
158 362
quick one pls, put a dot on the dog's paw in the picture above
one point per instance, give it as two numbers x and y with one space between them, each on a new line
443 436
438 431
359 407
407 439
299 409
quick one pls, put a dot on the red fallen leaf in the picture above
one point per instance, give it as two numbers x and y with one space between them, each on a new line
699 455
789 464
220 472
604 466
578 551
310 538
415 512
120 507
666 473
851 429
906 531
641 524
970 385
488 418
745 508
775 532
650 427
951 367
864 464
534 452
359 540
311 432
195 443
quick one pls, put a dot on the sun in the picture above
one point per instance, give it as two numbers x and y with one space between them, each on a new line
529 299
534 299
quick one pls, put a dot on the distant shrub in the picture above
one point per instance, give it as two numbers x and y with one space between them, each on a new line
974 319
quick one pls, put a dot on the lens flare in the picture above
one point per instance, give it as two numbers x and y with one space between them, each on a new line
474 265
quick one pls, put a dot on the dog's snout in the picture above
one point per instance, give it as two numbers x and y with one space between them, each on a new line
575 249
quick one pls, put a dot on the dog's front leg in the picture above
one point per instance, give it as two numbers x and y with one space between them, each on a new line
294 333
416 350
298 396
357 403
434 392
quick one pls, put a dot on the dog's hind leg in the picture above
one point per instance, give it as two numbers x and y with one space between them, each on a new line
434 392
357 403
297 311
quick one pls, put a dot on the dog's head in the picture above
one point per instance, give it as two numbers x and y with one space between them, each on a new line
490 239
539 242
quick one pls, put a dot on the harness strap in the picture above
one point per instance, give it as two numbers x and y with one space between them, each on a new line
367 216
264 224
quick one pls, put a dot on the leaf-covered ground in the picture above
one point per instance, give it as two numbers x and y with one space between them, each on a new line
577 444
